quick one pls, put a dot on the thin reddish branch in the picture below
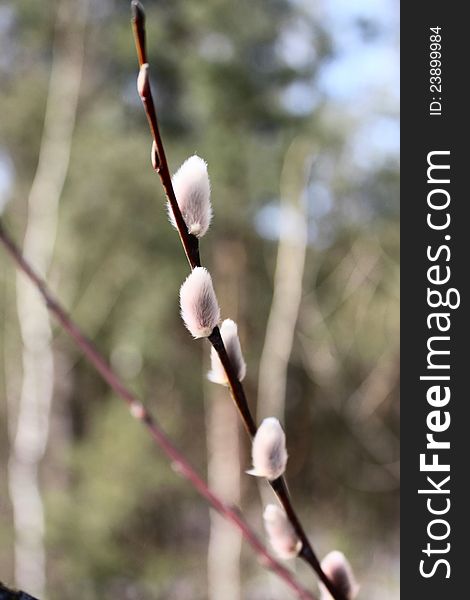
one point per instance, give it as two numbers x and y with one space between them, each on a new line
138 410
160 164
191 247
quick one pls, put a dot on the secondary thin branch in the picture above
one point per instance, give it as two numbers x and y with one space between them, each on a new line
138 411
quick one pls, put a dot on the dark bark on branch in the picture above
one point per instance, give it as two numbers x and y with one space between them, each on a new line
8 594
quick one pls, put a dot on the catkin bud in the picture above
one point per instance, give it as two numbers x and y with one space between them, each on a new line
192 190
269 452
199 307
282 536
339 572
154 156
229 333
143 80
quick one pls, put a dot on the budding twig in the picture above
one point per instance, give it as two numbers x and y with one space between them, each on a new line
138 411
191 247
159 162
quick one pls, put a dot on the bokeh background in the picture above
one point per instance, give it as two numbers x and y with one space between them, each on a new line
294 104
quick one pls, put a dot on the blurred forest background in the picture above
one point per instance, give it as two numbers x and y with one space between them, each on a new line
294 105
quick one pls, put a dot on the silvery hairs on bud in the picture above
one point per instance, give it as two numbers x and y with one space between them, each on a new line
192 190
229 333
282 536
338 570
269 452
199 307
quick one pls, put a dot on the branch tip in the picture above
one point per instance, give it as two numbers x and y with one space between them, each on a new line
138 13
138 26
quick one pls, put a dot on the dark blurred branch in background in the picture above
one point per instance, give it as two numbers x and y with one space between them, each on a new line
8 594
359 273
138 411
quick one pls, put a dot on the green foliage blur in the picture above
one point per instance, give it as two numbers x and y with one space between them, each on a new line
120 523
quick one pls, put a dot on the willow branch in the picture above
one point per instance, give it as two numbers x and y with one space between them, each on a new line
191 248
139 412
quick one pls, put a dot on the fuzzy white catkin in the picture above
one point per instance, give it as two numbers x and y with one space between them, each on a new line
338 570
229 333
199 307
268 451
192 190
282 536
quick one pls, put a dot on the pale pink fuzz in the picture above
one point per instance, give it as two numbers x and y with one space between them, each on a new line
199 307
229 333
282 536
269 452
338 570
192 190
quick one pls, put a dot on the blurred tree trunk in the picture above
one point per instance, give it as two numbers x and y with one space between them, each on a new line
223 562
287 288
30 424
